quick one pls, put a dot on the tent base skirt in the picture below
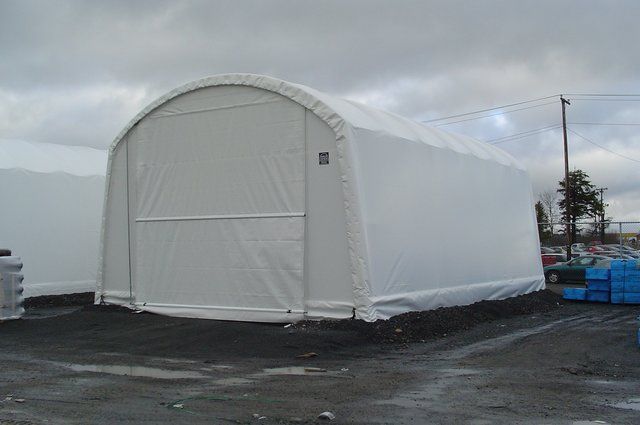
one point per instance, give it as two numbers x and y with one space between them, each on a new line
388 306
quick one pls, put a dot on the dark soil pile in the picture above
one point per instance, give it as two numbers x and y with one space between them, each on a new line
417 326
59 300
102 328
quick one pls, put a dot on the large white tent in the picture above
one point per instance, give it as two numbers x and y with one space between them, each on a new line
244 197
50 211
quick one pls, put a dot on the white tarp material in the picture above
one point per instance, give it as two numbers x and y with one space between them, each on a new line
11 288
244 197
51 198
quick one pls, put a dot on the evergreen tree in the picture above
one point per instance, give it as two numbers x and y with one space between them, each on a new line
584 199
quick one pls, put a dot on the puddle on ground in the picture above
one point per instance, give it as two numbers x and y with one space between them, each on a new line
294 370
139 371
458 371
602 382
216 367
631 404
233 381
207 366
302 371
588 422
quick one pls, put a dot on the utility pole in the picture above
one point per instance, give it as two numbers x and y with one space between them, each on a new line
602 215
567 195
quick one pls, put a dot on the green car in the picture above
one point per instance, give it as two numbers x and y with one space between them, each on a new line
574 270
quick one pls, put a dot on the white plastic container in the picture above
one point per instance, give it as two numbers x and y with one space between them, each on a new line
11 299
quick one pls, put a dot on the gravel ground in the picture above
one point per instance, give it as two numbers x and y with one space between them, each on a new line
528 360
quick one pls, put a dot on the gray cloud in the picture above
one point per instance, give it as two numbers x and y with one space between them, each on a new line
75 72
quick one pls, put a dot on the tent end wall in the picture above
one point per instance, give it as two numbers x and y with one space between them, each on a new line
328 275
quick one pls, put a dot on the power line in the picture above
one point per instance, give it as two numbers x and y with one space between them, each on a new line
489 109
585 96
524 136
602 94
524 133
595 99
603 123
496 114
602 147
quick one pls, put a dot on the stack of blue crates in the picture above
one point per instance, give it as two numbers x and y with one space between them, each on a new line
576 294
625 282
598 285
620 285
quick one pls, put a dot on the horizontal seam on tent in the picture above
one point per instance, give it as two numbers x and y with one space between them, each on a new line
196 111
281 269
213 307
222 217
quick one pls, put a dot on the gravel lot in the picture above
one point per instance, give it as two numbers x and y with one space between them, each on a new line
536 360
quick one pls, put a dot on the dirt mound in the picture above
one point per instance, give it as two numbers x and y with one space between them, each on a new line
59 300
418 326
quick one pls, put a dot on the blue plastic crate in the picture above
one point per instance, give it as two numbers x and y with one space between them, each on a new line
631 298
617 287
633 274
617 298
578 294
638 337
597 274
617 276
632 287
598 296
598 285
631 264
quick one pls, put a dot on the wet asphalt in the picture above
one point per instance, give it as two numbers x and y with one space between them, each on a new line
577 364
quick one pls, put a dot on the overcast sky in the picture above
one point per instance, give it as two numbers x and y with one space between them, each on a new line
75 72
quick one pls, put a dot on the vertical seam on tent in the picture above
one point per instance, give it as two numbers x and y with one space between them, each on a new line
305 272
128 224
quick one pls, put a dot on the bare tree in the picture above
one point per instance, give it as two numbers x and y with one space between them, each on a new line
549 199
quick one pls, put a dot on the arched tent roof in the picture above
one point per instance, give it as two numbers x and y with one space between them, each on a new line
337 112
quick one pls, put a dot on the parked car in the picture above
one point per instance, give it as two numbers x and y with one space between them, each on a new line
623 249
611 247
574 270
549 259
615 254
577 252
559 249
546 250
596 248
631 252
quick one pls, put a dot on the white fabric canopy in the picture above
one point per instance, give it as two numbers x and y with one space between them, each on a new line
51 197
245 197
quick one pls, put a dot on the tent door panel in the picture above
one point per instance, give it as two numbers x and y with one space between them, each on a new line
252 264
